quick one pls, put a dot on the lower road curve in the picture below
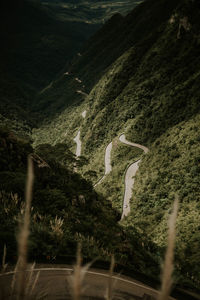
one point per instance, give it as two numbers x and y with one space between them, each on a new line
56 283
129 177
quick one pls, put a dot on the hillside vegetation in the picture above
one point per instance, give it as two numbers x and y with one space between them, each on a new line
171 167
65 211
142 76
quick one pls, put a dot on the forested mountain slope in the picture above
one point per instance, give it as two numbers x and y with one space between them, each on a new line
112 40
38 40
146 69
35 46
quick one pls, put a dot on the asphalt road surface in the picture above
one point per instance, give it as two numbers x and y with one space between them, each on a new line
55 283
129 177
108 166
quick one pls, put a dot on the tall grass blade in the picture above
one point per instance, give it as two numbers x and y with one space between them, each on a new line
76 280
4 265
24 234
169 256
29 278
34 283
109 294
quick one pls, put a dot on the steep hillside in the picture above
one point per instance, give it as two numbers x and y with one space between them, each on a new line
142 75
143 89
65 211
172 167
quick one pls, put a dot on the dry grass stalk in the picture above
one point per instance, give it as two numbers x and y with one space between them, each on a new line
109 294
13 281
78 275
24 234
169 256
29 278
34 283
56 227
4 265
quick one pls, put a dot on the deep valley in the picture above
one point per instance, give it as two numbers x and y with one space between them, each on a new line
104 97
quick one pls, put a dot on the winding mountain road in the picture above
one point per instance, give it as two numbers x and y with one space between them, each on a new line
108 166
123 139
129 177
130 173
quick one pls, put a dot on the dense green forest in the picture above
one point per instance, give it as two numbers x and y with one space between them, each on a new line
138 75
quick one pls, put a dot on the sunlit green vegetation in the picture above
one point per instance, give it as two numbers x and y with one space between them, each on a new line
171 167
